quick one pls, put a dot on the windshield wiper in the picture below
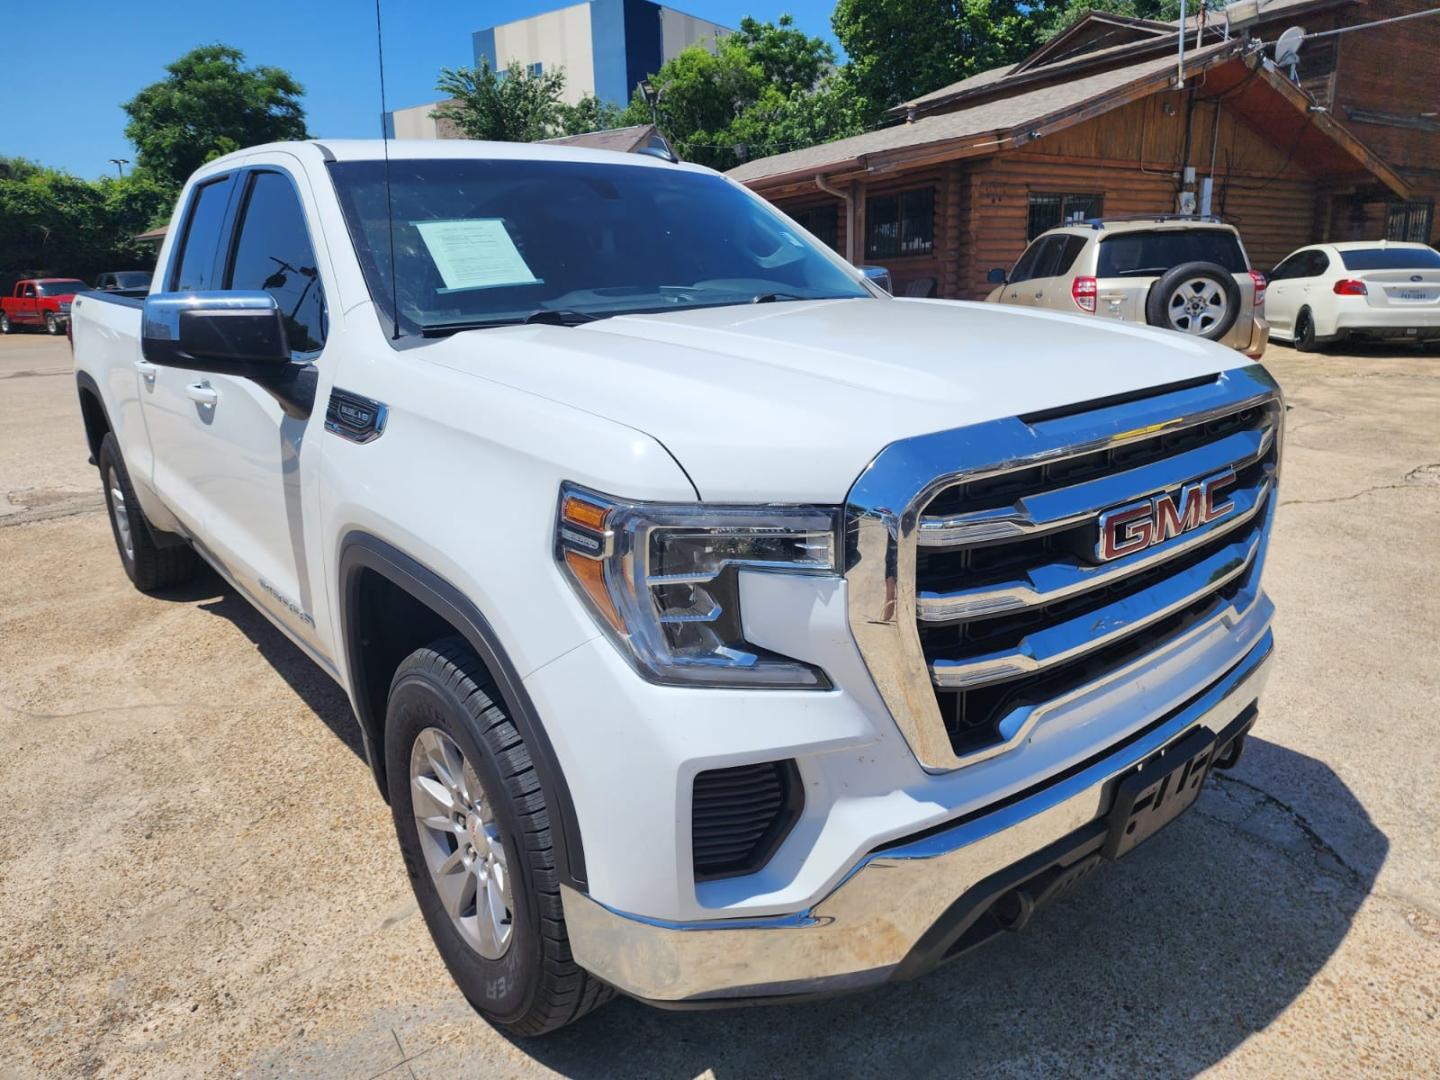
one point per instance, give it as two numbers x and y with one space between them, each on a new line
548 316
772 297
559 317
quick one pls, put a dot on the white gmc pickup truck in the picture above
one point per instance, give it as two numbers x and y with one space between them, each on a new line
720 627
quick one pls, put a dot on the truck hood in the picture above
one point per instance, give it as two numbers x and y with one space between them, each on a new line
788 402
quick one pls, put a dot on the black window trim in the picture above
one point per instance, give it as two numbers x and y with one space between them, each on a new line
187 222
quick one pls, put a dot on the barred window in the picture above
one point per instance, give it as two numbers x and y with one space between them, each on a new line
901 224
1049 209
823 221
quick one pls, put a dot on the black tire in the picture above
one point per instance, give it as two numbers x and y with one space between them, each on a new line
149 566
5 327
52 324
1157 303
535 986
1304 331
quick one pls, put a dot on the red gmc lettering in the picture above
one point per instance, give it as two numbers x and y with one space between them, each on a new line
1133 528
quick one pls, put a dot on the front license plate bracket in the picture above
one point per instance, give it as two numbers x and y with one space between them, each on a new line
1159 791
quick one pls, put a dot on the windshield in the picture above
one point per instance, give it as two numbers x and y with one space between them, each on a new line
1391 259
491 242
1144 254
60 288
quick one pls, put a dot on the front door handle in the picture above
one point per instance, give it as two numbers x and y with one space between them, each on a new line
202 393
147 371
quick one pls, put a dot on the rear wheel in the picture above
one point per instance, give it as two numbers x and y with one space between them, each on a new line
475 834
149 566
1304 331
4 323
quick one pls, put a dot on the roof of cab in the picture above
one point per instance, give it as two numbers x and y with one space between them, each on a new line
447 149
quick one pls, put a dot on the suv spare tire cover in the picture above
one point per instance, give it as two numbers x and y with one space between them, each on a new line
1193 277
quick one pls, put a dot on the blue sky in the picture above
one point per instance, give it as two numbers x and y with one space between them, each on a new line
63 90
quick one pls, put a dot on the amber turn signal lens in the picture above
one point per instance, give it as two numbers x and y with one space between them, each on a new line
590 574
587 514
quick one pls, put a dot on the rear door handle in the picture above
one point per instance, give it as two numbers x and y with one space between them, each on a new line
202 393
147 371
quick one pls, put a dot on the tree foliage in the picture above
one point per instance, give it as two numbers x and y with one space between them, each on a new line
1160 10
900 49
53 223
208 105
502 106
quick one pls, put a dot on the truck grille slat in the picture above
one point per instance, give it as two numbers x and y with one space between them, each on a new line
980 596
739 816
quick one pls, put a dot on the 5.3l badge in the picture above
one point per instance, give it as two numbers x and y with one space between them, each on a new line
1134 527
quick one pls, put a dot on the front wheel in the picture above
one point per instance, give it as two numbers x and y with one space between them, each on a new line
474 832
1304 332
52 324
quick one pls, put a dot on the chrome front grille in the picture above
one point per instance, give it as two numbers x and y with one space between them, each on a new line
975 593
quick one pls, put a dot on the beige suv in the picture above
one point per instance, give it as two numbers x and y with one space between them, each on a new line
1186 274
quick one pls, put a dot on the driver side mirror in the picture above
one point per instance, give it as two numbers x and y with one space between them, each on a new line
228 333
997 276
878 275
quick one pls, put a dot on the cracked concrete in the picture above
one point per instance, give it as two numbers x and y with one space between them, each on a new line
200 879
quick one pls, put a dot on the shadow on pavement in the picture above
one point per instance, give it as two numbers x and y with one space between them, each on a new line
319 692
1161 964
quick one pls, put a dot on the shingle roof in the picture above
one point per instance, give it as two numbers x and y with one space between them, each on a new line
622 139
990 117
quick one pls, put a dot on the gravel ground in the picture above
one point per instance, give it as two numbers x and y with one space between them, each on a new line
200 879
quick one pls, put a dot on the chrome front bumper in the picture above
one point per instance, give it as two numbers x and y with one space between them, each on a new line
889 917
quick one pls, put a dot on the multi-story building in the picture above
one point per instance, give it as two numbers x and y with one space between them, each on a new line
605 47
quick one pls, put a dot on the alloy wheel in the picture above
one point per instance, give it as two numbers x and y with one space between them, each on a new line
120 512
462 843
1196 305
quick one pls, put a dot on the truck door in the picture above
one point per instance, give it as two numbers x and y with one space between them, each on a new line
245 453
28 310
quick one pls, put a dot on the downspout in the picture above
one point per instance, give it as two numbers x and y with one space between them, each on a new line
1180 66
823 183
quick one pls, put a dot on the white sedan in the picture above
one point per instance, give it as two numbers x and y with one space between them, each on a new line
1379 289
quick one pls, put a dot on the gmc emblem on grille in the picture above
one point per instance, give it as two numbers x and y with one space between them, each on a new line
1137 526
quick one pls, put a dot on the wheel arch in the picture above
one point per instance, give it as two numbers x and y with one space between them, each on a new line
373 576
92 410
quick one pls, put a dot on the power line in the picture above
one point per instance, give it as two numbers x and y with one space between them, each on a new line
1375 22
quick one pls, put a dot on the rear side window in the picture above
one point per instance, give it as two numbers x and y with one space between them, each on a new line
273 254
195 270
1146 254
1024 268
1391 259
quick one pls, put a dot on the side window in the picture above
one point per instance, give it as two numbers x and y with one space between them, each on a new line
1025 268
1288 268
1068 254
273 254
29 293
195 267
1318 263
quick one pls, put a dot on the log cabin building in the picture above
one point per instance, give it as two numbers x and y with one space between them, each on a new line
1100 122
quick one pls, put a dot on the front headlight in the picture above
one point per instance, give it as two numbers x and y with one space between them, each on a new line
662 580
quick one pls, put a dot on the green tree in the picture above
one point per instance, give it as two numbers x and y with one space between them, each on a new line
1069 13
589 114
767 88
900 49
208 105
502 106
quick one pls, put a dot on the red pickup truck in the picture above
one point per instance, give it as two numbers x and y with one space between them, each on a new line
39 302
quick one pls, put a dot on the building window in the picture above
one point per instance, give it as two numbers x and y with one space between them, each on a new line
1410 221
823 221
1049 209
1316 70
902 224
535 70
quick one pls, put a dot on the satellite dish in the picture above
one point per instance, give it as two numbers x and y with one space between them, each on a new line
1287 47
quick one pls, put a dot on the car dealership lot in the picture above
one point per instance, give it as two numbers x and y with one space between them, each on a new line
199 877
